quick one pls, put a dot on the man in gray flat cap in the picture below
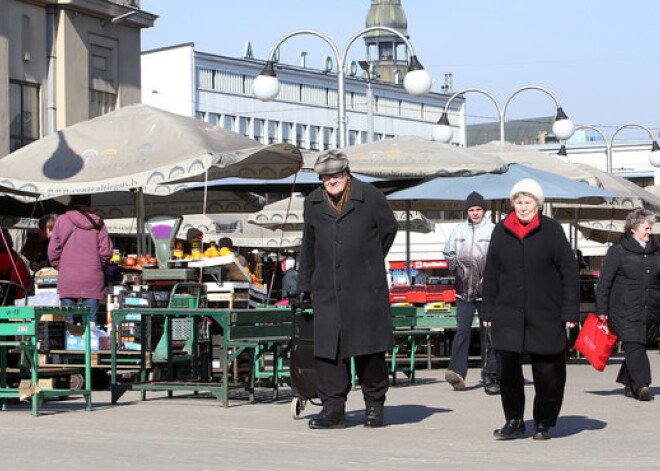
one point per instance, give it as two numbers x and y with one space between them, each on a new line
349 228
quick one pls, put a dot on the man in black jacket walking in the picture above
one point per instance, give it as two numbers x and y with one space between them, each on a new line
349 228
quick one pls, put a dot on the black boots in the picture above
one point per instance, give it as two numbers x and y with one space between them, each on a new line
327 420
541 432
644 393
512 428
491 383
373 416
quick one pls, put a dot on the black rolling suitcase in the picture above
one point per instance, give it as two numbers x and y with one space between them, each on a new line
303 368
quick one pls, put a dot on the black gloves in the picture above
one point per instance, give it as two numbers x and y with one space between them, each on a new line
301 301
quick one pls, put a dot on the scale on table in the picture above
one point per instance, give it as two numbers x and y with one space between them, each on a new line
163 230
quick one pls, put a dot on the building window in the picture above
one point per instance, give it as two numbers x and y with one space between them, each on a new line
244 126
314 137
327 138
286 132
229 122
301 136
386 51
352 138
103 75
363 137
272 132
24 114
259 130
213 118
378 136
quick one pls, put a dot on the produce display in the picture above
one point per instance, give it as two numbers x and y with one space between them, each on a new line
133 262
138 262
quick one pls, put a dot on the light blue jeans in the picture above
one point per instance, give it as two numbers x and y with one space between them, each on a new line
92 304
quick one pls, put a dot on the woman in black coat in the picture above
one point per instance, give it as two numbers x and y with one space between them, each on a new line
349 228
628 295
531 295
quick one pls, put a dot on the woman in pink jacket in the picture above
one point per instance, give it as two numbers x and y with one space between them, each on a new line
80 249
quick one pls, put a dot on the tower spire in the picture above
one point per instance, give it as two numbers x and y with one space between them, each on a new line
387 52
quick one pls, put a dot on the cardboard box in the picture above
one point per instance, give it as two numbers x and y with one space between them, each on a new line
75 339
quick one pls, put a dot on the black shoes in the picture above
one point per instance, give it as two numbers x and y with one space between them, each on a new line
541 432
512 428
491 383
373 416
492 389
644 394
327 420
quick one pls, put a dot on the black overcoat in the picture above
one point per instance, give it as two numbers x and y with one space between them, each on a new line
628 289
531 289
342 264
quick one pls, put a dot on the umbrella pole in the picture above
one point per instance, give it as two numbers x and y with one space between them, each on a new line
408 263
139 213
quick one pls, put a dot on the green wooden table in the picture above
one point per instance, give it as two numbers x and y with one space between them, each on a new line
244 330
18 330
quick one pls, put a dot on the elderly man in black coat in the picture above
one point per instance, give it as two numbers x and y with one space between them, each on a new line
349 228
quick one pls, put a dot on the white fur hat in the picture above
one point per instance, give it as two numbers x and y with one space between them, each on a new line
530 187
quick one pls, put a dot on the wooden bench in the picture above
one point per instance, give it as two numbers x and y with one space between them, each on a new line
259 332
408 336
416 326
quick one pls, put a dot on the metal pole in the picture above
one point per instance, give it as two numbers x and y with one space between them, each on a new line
370 110
341 102
608 145
483 92
408 262
341 59
623 126
522 89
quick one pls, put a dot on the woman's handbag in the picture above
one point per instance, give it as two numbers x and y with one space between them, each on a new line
595 341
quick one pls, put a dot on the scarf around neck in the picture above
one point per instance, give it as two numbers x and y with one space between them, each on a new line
518 228
344 197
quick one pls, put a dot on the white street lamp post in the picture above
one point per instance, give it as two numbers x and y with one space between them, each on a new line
417 81
563 128
654 155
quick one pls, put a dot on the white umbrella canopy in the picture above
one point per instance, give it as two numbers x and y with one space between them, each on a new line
412 156
140 146
287 215
605 232
215 226
631 195
122 205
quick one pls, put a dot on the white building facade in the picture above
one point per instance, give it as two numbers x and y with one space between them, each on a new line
218 90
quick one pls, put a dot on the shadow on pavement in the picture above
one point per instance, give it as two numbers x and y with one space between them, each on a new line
406 414
568 425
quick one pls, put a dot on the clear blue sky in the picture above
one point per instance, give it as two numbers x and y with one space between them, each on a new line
601 58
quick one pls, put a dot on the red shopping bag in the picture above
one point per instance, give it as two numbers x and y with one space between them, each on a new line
595 341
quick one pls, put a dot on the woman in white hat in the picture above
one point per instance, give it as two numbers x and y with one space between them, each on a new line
531 295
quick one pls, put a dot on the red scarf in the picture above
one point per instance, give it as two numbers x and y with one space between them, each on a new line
518 228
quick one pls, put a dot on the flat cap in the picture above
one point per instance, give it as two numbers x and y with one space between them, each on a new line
331 162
